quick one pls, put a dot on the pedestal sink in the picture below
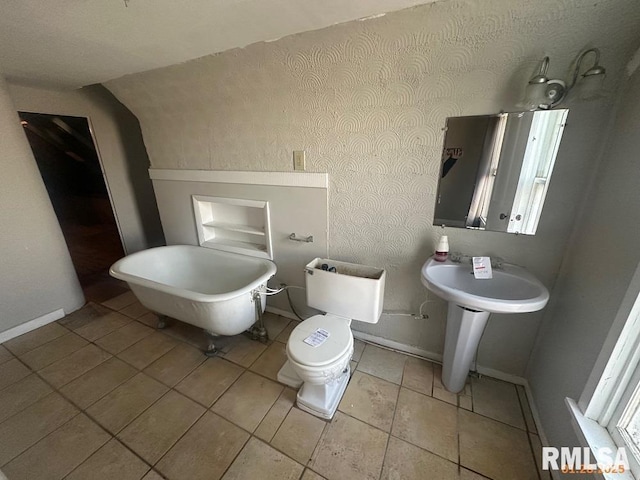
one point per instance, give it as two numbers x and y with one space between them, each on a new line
511 290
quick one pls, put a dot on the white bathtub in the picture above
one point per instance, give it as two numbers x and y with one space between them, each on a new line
207 288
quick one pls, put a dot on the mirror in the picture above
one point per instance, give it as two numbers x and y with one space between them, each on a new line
496 170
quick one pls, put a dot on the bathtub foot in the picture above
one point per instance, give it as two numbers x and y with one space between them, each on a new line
212 351
162 322
259 333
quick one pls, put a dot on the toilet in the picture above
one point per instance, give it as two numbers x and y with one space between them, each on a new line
320 348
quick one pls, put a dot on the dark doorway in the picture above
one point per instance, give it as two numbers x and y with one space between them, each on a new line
68 161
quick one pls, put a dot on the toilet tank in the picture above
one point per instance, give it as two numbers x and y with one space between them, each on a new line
351 291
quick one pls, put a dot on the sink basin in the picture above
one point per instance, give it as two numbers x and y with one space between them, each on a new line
511 290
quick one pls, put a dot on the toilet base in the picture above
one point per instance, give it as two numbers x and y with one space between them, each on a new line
319 400
288 376
322 400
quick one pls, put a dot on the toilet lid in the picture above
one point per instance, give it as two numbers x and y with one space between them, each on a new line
340 340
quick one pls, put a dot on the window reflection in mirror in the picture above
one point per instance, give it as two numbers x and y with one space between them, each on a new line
496 169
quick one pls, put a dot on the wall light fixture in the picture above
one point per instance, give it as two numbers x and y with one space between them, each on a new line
544 93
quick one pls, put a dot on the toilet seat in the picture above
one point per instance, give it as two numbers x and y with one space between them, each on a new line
339 343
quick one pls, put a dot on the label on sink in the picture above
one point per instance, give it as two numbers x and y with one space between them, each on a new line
482 267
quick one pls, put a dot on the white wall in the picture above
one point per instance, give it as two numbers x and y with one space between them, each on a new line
595 275
367 101
36 273
122 153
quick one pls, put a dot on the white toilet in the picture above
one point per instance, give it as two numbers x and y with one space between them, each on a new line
320 348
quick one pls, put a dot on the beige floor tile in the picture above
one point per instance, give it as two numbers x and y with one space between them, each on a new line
371 400
126 402
536 446
445 396
382 363
498 400
272 421
74 365
30 425
24 343
418 375
494 449
427 423
135 310
112 461
176 364
59 453
194 336
271 361
152 475
466 402
53 351
150 319
350 449
244 351
526 409
283 337
97 382
248 400
21 394
469 475
147 350
274 324
407 462
311 475
11 372
209 381
205 451
124 337
358 348
298 435
86 314
102 326
259 460
154 432
5 355
121 301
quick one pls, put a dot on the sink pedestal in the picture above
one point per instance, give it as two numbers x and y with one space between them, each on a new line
464 329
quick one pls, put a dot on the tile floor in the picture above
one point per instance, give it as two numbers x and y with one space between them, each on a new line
102 394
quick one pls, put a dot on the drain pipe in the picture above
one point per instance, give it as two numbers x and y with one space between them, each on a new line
258 331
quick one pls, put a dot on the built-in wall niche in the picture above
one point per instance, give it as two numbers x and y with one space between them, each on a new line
234 225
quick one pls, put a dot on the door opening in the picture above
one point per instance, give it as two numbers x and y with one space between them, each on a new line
70 167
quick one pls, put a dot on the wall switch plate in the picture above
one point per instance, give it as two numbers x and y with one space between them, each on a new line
298 160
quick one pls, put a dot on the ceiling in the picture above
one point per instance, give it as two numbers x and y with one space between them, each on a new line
71 43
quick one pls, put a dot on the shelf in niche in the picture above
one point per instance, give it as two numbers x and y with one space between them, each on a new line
233 224
234 227
216 242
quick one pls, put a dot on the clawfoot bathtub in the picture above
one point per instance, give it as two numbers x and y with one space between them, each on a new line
211 289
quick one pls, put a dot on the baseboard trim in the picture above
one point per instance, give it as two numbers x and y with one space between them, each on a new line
437 358
282 313
26 327
400 347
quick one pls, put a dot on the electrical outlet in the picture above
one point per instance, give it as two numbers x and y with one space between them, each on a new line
298 160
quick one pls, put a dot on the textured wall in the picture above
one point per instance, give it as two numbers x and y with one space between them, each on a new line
122 154
367 101
36 273
591 285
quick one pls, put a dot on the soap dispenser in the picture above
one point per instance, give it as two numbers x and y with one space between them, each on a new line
442 250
